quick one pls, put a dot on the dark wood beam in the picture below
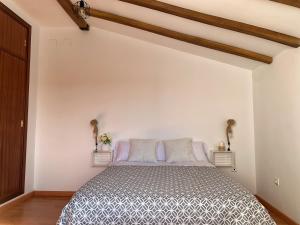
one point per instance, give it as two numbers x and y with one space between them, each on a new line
181 36
68 7
219 21
295 3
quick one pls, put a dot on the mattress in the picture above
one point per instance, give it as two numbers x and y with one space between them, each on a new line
185 195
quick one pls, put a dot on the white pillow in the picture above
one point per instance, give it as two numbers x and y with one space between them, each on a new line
179 150
142 150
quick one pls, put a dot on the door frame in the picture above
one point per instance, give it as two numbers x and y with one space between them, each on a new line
18 19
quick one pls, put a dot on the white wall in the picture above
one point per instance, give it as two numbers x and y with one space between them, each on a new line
277 119
137 90
29 176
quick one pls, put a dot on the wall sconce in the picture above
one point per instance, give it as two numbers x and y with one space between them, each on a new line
229 132
82 9
94 125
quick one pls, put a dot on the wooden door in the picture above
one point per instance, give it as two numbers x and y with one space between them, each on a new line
13 35
14 68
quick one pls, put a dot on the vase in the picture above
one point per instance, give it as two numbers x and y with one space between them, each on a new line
105 147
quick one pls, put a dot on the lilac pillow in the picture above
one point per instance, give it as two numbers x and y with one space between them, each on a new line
160 152
200 151
122 151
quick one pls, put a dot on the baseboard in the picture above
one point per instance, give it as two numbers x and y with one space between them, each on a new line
275 211
54 193
16 200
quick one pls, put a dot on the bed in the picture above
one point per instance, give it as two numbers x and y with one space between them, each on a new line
128 193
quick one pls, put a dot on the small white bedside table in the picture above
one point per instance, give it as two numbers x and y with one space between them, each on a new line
223 158
101 158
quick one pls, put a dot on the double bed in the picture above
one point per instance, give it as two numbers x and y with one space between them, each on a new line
163 193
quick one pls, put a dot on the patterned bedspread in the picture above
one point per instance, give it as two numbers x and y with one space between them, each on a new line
163 195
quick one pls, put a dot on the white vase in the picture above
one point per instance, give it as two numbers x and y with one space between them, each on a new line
105 147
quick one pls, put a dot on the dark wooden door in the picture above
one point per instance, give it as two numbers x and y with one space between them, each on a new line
14 68
13 35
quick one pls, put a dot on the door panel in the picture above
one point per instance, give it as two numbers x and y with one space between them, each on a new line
12 112
13 36
14 80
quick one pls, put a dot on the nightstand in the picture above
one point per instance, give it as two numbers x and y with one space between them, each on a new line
102 158
223 158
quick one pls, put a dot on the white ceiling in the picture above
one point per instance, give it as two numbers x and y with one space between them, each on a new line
263 13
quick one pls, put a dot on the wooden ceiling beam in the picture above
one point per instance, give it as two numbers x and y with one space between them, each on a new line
295 3
68 7
181 36
219 21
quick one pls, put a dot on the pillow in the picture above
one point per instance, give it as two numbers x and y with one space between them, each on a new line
199 150
142 150
179 150
206 150
122 151
160 152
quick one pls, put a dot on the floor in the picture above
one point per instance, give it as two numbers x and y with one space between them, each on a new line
34 211
277 220
43 211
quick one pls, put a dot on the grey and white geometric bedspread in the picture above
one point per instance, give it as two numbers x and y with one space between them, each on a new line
163 195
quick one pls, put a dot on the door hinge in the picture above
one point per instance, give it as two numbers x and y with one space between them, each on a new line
22 123
25 43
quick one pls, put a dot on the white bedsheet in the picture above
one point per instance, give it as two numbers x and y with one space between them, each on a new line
197 163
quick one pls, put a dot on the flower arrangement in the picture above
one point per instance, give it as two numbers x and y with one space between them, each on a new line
105 139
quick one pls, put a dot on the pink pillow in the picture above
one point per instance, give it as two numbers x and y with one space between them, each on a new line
122 151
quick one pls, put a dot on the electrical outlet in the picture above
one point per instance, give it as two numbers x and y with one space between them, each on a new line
276 181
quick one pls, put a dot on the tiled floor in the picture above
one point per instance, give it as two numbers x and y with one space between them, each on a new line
42 211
